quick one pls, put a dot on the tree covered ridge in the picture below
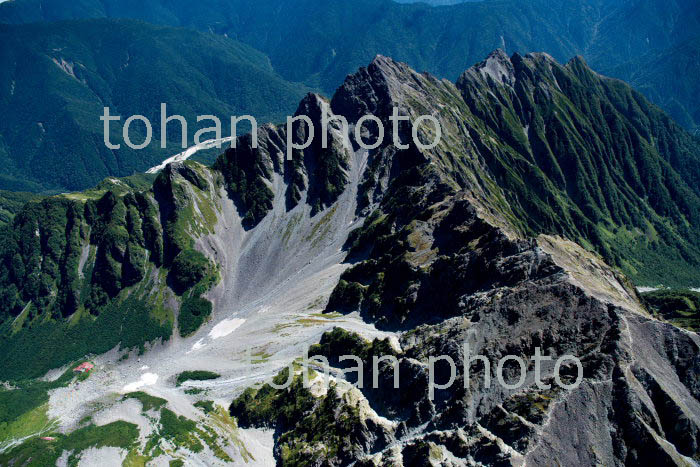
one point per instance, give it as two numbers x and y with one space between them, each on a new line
114 263
57 78
589 158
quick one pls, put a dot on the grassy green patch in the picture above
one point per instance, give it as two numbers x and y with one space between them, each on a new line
193 275
179 430
268 406
220 418
193 313
134 459
23 410
196 375
679 306
41 452
260 357
188 268
148 401
206 406
32 422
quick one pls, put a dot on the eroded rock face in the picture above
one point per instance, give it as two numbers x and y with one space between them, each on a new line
445 259
317 174
637 400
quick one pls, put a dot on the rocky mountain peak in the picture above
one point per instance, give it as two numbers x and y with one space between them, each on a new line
497 67
435 263
311 105
376 89
509 120
382 62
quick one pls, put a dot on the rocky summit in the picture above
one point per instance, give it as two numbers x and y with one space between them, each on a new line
551 191
460 246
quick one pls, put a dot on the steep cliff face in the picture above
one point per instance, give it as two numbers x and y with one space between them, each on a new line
637 401
610 169
447 257
318 172
505 297
598 145
497 237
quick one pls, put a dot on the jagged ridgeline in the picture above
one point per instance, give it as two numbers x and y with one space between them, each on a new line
530 145
547 148
449 255
589 158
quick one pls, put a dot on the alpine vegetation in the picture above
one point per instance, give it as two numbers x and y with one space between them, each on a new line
450 292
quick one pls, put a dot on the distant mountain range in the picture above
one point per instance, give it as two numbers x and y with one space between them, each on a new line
56 79
437 2
321 41
316 42
326 40
669 78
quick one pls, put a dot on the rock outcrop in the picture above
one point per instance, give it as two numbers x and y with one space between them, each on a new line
455 250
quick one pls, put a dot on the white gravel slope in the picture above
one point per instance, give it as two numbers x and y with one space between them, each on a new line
276 278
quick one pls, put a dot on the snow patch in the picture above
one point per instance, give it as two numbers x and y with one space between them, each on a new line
197 345
226 327
147 379
189 152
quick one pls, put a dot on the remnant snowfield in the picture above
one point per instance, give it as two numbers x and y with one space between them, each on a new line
267 306
197 345
147 379
225 327
102 456
189 152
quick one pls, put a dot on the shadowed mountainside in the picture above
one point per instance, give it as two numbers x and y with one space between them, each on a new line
320 41
57 78
472 241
